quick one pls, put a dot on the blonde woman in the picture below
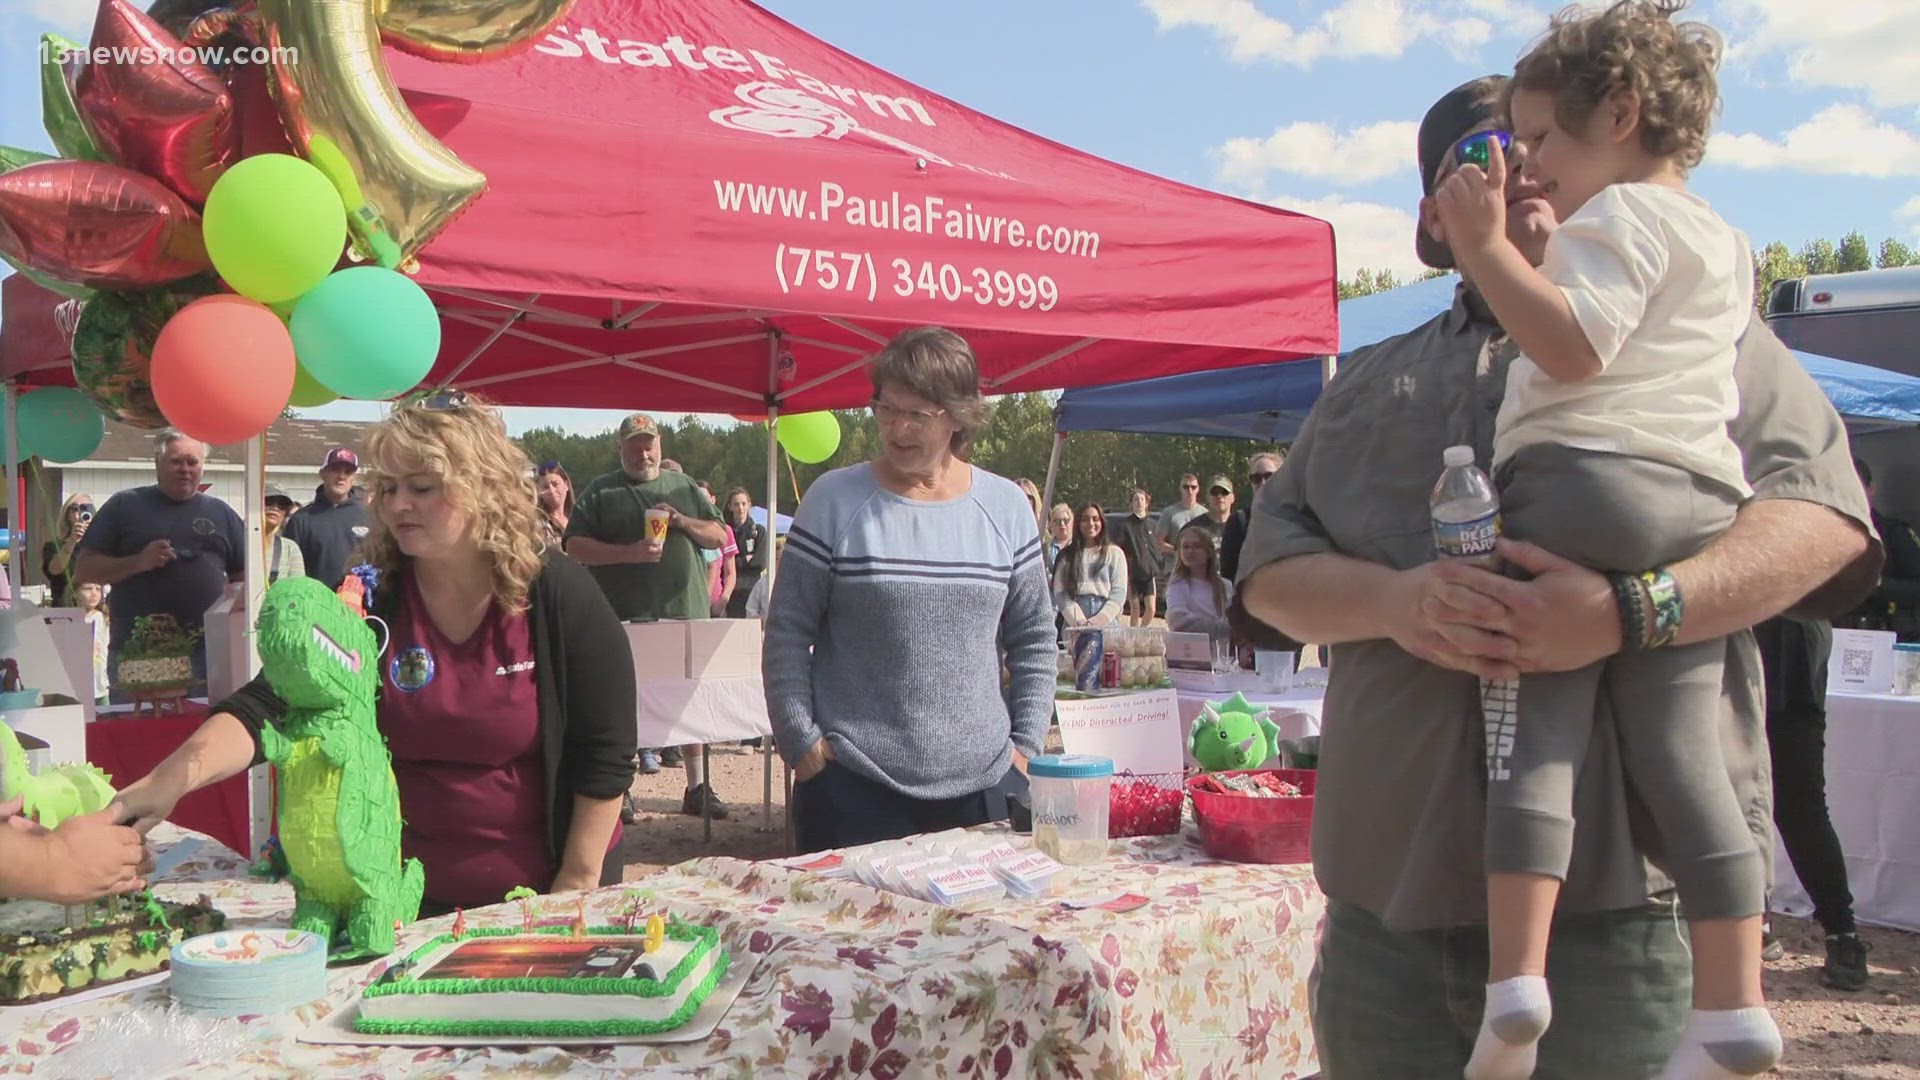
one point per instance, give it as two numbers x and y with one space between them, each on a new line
506 689
56 555
1032 491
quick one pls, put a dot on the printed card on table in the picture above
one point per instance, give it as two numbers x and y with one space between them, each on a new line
1140 732
1862 662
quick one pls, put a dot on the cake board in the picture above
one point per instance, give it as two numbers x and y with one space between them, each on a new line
337 1028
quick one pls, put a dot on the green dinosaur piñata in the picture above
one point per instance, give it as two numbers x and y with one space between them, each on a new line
55 795
339 805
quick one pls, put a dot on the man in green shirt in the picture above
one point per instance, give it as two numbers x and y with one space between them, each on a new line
645 578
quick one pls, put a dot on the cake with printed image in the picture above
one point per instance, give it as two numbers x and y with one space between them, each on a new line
49 951
549 982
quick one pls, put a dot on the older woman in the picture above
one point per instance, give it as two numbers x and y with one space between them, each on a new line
903 582
1059 533
507 691
56 555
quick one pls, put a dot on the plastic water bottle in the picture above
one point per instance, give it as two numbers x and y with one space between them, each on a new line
1465 508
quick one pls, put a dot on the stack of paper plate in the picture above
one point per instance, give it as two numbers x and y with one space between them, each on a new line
244 972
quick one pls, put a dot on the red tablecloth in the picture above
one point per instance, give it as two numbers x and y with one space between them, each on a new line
128 748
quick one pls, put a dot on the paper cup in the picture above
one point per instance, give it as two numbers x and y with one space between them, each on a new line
657 525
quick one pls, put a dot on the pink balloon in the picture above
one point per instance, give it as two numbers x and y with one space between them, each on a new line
223 369
98 225
165 113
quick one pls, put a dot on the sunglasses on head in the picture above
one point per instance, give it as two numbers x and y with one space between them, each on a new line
547 467
440 401
1475 149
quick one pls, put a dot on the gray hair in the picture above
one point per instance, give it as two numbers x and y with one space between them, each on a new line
167 437
937 364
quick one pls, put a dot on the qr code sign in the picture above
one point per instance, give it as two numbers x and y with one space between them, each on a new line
1856 663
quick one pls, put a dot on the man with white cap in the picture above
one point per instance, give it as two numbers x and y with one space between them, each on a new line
331 527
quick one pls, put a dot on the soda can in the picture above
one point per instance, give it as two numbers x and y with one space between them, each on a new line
1089 649
1110 672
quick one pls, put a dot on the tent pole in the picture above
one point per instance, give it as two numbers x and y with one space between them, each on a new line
1053 471
15 512
1329 367
260 777
773 526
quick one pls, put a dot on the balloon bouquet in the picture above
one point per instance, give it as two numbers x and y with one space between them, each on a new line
200 216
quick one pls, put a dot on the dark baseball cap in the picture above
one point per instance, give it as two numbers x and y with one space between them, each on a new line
340 455
1462 109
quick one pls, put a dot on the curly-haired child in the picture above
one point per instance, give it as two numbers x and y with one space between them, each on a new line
1611 447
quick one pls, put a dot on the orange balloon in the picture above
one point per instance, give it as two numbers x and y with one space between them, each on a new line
223 369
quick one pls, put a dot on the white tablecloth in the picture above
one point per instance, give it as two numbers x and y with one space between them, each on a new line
682 712
1873 792
1295 712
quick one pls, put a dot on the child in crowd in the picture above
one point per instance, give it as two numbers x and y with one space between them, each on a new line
92 599
1611 448
1197 596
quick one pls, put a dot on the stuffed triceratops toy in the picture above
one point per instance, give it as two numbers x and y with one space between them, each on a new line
1233 735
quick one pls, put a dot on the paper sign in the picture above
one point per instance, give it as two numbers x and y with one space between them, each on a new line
1139 732
1862 662
1189 652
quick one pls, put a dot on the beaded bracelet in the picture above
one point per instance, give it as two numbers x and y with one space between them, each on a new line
1668 607
1633 611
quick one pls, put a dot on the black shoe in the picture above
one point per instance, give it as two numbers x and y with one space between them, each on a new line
628 813
672 758
690 804
1771 948
1846 962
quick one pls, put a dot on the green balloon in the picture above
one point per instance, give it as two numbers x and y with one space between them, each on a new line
810 437
307 391
13 157
57 109
59 424
274 227
366 332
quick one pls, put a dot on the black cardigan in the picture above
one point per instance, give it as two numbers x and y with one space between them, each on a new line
583 669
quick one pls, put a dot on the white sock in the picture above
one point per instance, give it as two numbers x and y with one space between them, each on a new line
1725 1044
696 767
1517 1014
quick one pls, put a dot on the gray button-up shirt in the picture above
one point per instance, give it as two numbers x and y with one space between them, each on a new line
1399 812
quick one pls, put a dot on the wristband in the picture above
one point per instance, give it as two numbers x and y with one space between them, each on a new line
1668 607
1633 611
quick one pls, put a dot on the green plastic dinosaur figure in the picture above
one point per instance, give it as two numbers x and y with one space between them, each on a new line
55 795
339 805
1233 735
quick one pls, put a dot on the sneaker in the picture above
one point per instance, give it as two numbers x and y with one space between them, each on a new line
690 804
1846 967
628 812
1771 948
672 758
649 762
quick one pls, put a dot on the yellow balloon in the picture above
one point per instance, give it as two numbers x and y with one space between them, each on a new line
402 187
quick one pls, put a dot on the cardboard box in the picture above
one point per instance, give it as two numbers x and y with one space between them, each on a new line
659 650
723 649
63 728
226 628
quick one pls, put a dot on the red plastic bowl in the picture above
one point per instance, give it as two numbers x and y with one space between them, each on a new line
1248 829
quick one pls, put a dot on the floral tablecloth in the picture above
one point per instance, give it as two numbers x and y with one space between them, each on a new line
1208 979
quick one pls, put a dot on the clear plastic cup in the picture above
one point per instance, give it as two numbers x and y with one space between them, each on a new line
1070 795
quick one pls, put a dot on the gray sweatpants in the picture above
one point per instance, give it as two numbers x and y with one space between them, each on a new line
1625 515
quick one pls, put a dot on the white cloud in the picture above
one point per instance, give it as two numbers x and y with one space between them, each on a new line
1366 235
1359 156
1909 215
1351 29
1863 45
1840 140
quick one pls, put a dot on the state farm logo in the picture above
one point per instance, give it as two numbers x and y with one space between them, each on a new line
787 112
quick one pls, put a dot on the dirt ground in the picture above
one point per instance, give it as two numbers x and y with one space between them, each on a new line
1830 1035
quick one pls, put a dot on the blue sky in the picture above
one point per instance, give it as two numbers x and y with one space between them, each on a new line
1311 104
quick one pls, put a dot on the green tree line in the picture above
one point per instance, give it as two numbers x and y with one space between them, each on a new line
1097 466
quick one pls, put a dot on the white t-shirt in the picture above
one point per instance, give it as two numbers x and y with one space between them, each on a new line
1663 288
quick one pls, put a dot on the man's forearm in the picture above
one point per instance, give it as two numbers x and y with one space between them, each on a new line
1776 552
1323 597
93 568
708 534
587 551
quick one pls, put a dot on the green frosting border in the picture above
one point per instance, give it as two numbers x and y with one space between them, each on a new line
397 981
555 1029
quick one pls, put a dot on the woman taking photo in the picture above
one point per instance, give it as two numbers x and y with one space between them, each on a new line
1090 580
903 582
56 555
751 538
506 687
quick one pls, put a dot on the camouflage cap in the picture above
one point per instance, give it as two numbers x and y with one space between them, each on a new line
638 424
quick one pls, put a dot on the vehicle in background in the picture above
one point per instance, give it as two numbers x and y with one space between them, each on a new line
1864 317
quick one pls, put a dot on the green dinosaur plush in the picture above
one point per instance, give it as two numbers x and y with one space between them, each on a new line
1233 735
339 805
55 795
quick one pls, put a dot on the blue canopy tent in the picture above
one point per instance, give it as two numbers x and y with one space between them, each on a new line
1268 402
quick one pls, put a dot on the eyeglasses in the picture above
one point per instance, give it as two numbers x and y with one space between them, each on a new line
449 400
1260 477
886 415
1475 148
